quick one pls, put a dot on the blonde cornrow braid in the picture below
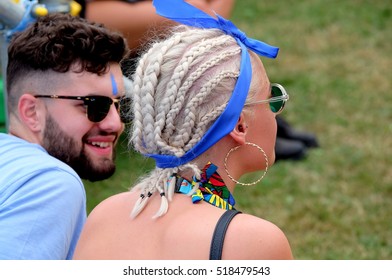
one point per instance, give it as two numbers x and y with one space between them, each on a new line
185 133
191 79
175 97
140 86
155 182
183 90
137 134
199 130
149 88
180 87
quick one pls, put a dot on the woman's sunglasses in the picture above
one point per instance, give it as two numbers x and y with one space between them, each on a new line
278 99
98 106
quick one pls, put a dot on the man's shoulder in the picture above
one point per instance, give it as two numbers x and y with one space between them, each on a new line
17 151
15 147
22 160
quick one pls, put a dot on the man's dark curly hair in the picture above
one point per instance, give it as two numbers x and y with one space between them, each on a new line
60 42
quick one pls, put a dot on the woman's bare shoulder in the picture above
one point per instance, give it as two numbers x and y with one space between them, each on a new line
114 203
250 237
103 225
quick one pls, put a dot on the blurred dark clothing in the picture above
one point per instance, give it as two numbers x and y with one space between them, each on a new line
291 143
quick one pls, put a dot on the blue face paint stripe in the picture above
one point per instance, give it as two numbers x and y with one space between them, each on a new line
114 84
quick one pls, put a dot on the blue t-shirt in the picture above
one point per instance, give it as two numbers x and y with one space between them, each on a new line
42 203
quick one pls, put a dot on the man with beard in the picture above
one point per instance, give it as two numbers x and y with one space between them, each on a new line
65 96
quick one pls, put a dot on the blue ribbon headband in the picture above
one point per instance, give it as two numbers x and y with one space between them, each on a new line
184 13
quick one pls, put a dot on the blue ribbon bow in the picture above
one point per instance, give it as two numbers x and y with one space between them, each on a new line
182 12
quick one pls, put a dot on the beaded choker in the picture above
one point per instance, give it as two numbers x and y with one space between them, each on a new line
211 189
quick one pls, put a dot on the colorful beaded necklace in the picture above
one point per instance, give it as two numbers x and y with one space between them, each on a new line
211 189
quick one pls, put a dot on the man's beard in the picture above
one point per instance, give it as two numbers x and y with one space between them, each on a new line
59 145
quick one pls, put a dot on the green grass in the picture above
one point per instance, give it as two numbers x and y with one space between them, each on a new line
335 61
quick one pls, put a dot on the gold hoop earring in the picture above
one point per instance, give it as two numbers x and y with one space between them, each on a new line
236 148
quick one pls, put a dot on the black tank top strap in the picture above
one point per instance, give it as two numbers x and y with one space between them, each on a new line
219 234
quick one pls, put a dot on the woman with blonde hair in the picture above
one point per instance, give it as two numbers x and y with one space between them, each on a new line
204 110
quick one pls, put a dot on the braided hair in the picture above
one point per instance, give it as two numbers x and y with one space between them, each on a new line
180 87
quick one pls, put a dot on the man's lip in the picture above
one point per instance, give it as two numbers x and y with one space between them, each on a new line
101 145
101 138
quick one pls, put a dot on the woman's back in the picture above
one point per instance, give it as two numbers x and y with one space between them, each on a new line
184 232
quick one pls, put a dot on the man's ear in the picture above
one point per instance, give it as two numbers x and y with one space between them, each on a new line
240 130
29 112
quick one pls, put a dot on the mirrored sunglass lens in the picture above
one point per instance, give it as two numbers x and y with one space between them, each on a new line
276 106
98 108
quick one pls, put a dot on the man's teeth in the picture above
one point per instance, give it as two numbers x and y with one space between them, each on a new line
100 144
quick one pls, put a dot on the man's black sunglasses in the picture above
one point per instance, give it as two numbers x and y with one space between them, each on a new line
98 106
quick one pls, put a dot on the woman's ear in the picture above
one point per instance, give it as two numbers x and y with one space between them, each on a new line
240 130
29 112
